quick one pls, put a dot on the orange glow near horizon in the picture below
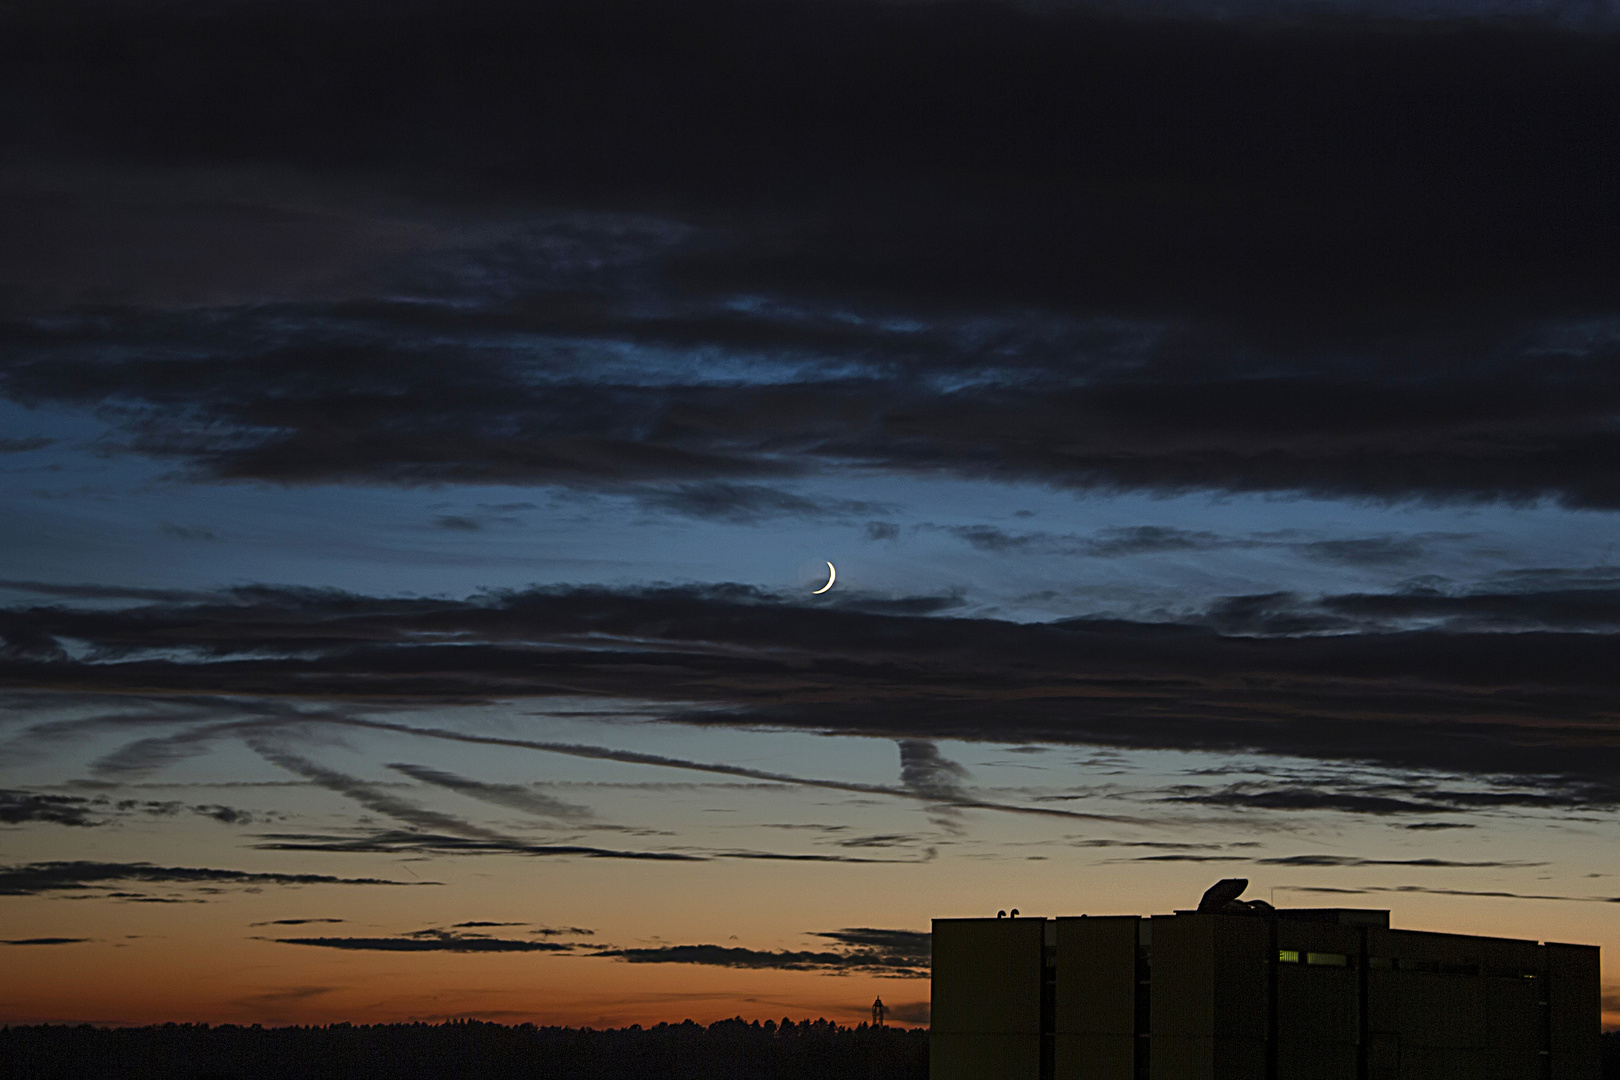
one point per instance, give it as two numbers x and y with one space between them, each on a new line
769 868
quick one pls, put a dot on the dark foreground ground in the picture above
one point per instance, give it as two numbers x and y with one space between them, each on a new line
728 1050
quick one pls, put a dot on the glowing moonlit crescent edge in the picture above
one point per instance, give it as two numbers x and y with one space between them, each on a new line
832 576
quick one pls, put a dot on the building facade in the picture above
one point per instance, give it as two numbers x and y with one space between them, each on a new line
1239 991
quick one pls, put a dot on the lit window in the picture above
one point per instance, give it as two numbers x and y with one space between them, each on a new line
1326 959
1287 956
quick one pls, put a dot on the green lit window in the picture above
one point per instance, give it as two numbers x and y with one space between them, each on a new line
1326 959
1287 956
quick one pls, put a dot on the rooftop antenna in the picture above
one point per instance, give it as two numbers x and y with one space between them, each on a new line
1015 913
1001 914
879 1011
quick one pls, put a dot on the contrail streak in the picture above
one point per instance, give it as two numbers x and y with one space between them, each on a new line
604 753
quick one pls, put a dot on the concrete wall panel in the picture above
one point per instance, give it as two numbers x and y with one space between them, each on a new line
1096 998
986 1009
987 976
982 1056
1094 1057
1575 1020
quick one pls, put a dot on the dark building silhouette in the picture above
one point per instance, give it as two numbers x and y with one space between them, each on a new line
1241 991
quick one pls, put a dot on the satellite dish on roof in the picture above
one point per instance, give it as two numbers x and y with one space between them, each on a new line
1221 893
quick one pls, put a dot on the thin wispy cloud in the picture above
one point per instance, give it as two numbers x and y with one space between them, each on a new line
1502 894
87 877
294 922
1351 860
371 798
512 796
416 842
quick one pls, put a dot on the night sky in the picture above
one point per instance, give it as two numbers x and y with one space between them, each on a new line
423 425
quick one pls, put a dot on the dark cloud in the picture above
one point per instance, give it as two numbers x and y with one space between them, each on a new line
294 922
457 523
929 773
225 815
880 133
742 504
891 953
18 807
1333 861
1349 860
1109 543
431 941
881 840
295 416
1340 256
23 807
913 944
1535 704
1182 857
1438 826
48 878
732 957
1386 798
1279 614
867 604
1573 608
1536 600
1373 551
563 931
103 592
1182 845
990 538
927 855
1145 539
18 446
45 941
481 922
512 796
882 530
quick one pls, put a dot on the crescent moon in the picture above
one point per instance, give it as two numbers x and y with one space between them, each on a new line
832 576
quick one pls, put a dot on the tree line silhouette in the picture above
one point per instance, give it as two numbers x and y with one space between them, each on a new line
476 1050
